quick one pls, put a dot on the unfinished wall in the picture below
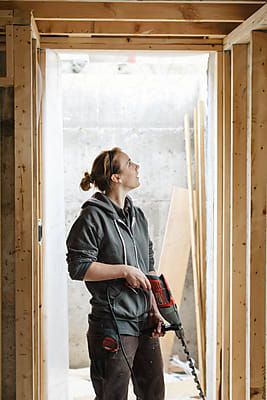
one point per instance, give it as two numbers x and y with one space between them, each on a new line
136 102
7 160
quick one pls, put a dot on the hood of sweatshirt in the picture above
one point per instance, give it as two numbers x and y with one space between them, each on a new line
102 201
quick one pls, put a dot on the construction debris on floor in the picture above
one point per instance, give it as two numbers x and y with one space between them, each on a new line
178 386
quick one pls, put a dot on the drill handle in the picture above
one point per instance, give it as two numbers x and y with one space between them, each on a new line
164 328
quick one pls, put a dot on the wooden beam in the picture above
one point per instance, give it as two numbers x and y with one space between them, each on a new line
7 251
225 388
197 289
135 28
41 90
238 221
218 224
24 238
258 174
6 17
202 204
5 82
178 11
105 43
257 21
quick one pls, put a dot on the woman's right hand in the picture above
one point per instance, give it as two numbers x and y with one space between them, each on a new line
136 278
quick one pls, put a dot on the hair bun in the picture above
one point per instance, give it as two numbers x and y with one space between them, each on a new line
86 181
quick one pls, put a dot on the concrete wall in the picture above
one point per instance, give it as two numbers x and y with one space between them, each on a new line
137 102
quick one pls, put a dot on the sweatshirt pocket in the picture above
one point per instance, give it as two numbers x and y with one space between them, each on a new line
131 304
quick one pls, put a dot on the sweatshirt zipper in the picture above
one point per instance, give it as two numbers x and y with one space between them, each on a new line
124 248
131 235
122 241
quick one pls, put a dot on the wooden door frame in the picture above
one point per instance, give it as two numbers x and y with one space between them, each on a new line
27 135
164 46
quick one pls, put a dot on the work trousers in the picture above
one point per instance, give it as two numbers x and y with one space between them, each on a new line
110 373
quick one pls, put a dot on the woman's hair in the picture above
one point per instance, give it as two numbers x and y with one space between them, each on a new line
103 167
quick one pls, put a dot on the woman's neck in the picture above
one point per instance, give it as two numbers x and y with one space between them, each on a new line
117 197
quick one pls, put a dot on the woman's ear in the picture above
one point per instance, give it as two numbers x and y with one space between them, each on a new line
115 178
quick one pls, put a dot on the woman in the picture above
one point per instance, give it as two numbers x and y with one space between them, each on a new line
109 248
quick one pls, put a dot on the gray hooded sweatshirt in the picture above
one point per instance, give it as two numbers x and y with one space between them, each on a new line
101 234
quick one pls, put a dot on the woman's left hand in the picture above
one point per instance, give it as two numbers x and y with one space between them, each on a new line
156 321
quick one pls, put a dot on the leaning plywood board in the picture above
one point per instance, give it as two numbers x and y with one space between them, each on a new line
175 254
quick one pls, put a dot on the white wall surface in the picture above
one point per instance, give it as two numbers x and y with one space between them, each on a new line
55 306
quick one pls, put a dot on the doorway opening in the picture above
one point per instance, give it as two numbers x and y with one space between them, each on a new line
137 101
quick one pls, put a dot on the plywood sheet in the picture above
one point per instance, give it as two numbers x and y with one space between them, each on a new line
175 253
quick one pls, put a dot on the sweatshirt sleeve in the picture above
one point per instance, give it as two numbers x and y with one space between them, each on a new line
83 246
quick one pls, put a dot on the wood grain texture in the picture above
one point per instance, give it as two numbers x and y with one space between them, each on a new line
175 255
238 220
24 238
127 43
105 28
225 388
173 10
258 214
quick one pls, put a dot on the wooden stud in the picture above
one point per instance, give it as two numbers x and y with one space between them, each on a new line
36 277
225 387
218 224
126 28
238 221
199 312
257 21
196 206
131 44
42 62
24 216
202 200
7 250
257 237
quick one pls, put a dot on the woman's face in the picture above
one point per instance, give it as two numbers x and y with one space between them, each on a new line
128 171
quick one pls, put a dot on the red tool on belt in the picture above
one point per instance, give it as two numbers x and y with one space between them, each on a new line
169 311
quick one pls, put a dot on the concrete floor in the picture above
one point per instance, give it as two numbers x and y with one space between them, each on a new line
178 386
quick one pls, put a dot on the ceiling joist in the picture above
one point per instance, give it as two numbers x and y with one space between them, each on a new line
137 11
109 43
83 28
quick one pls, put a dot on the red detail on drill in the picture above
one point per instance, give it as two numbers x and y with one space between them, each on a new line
161 292
110 344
